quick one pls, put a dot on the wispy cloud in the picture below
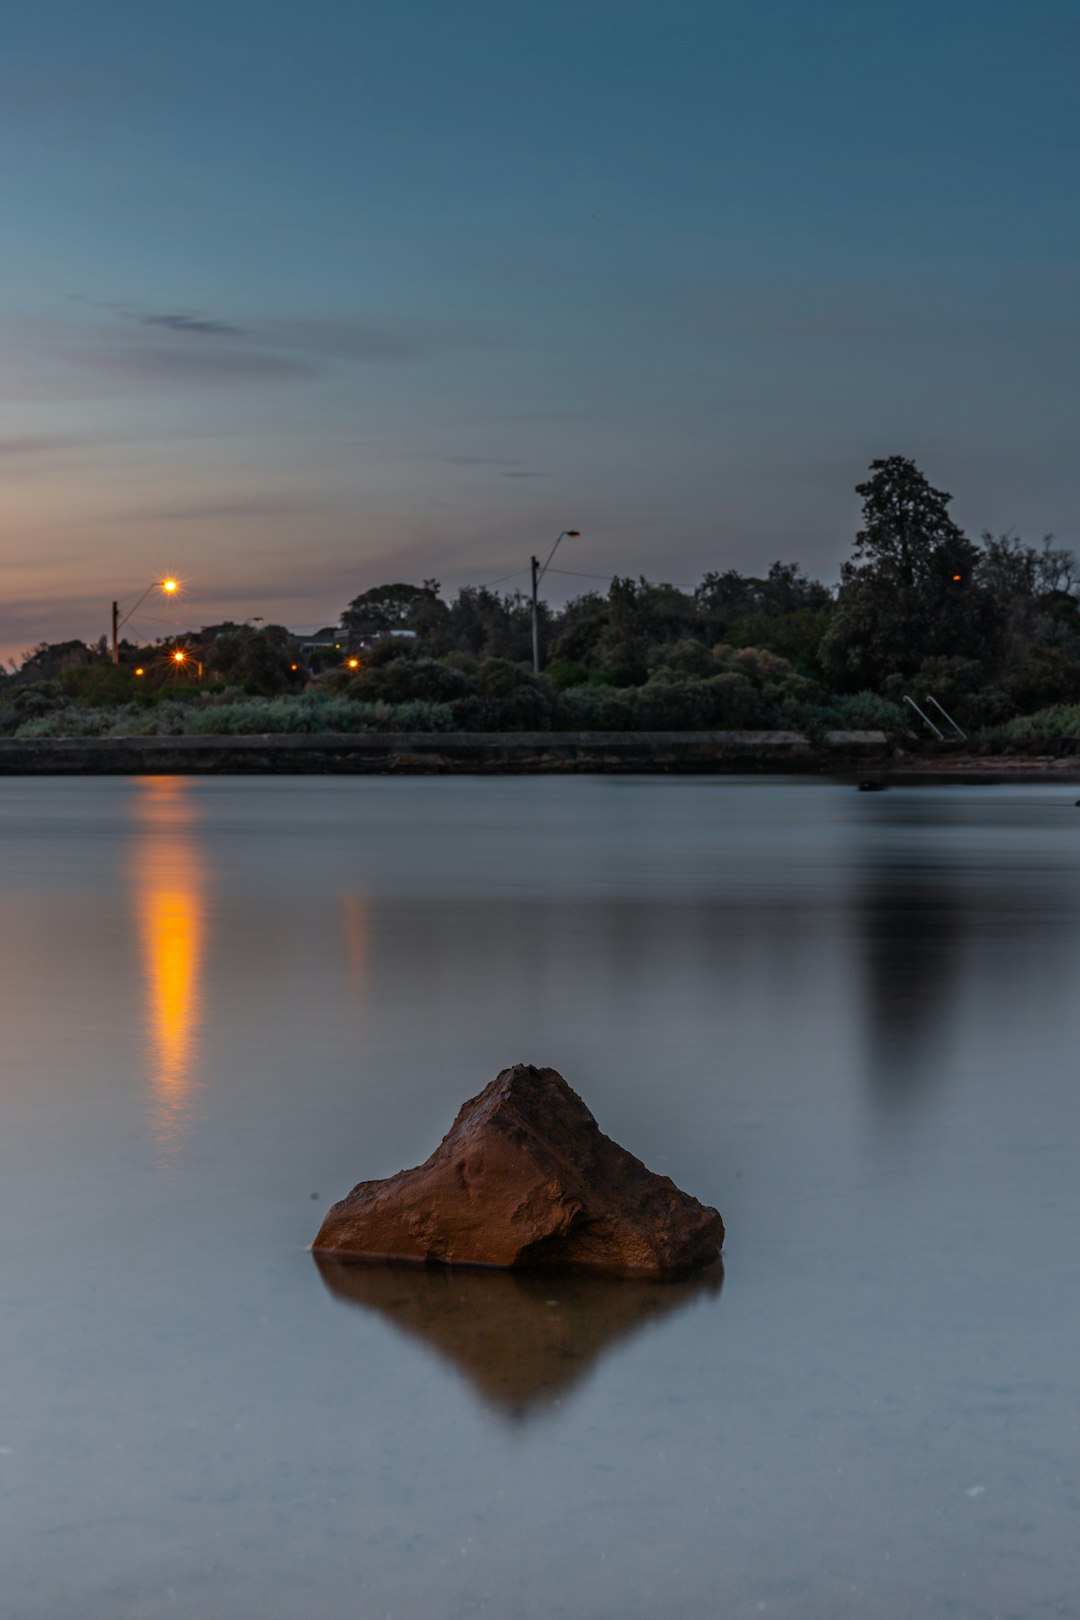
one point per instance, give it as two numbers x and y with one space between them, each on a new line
33 445
524 475
485 461
114 345
191 325
237 509
179 365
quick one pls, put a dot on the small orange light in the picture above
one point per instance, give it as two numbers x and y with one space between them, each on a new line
178 657
140 672
957 578
354 663
294 667
170 585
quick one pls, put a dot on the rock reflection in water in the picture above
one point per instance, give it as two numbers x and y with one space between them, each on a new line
520 1338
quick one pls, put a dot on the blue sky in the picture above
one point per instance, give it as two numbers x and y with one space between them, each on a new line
297 299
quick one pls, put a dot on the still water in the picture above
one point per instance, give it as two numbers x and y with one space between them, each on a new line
850 1021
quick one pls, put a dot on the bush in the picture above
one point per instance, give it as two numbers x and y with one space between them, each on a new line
671 705
499 678
1059 720
866 711
530 708
736 702
408 680
597 708
41 698
681 657
93 684
566 672
70 721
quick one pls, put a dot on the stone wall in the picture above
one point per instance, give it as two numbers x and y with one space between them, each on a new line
437 753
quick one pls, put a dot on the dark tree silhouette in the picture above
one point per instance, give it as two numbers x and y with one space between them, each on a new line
912 590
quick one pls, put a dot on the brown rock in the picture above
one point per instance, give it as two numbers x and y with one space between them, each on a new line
525 1177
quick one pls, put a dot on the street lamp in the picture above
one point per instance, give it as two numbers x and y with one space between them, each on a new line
169 586
537 575
180 658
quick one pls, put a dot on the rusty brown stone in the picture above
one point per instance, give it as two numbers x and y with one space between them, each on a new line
525 1177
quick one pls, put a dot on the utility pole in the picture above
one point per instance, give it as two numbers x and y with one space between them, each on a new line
169 586
535 615
537 575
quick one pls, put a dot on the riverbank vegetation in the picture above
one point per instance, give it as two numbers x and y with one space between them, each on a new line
989 627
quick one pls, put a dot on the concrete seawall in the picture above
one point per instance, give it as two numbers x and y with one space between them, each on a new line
857 754
441 753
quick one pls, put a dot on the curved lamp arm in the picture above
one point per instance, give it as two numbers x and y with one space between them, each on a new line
166 585
567 534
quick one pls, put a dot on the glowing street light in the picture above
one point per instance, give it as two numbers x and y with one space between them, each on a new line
537 575
352 663
169 586
180 656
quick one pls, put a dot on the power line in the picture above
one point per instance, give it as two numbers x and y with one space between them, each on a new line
486 584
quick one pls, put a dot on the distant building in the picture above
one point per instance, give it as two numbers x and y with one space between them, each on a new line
323 648
332 640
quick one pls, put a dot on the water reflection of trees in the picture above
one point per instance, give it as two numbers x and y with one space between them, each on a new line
521 1339
952 911
169 880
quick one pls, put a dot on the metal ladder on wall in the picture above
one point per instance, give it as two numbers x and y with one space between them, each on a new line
940 735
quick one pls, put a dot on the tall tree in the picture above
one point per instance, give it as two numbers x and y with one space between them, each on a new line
911 591
388 607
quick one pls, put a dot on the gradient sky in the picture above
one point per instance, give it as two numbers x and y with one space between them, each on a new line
300 298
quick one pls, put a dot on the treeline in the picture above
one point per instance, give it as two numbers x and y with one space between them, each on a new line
990 627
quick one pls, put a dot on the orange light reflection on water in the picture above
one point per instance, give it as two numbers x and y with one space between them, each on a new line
356 929
170 883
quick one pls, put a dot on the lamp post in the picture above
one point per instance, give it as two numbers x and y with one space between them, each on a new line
537 575
180 657
169 586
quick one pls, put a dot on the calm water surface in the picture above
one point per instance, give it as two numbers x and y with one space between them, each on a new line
850 1021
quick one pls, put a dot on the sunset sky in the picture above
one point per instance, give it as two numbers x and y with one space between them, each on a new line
300 298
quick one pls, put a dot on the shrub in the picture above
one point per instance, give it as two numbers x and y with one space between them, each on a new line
530 708
736 702
1059 720
596 708
95 684
407 680
866 711
670 705
566 672
682 657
